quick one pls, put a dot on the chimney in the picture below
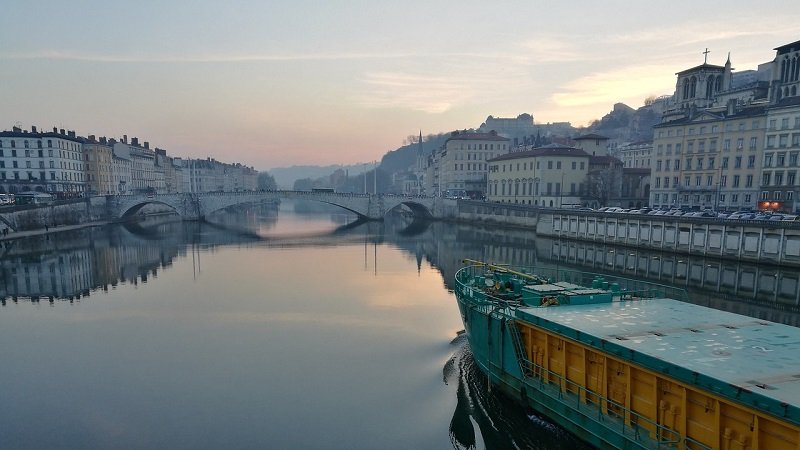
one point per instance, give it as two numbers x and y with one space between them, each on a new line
135 141
103 140
55 130
71 134
62 131
16 129
91 137
146 145
125 138
33 128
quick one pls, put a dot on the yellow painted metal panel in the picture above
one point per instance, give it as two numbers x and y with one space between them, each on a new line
702 419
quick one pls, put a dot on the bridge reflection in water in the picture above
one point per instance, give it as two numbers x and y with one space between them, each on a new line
72 265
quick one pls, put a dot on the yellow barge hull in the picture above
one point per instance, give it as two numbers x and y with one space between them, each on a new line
613 393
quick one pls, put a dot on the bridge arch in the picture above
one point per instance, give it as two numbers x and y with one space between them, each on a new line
133 209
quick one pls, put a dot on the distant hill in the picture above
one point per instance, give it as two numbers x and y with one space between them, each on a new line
286 176
404 157
625 124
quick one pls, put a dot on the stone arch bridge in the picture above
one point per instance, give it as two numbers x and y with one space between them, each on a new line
197 206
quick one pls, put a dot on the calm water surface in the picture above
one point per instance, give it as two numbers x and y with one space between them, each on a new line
315 335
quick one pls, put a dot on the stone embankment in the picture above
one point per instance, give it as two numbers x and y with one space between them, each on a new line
773 242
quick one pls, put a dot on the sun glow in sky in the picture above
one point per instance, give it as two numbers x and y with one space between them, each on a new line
272 84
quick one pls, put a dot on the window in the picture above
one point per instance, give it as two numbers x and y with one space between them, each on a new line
790 177
764 195
739 143
698 180
574 165
737 162
778 178
701 146
784 123
699 163
711 162
753 143
710 180
677 164
747 198
735 198
748 181
780 159
688 181
770 141
751 161
726 145
666 182
666 164
658 165
725 162
658 182
688 164
549 165
582 165
723 180
783 141
690 146
677 149
558 165
712 145
655 198
722 198
766 178
768 160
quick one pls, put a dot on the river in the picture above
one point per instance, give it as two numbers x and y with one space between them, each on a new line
280 328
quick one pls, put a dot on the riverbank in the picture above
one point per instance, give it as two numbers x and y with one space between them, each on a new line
12 235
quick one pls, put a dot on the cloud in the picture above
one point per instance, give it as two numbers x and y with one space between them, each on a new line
551 49
154 58
426 93
615 85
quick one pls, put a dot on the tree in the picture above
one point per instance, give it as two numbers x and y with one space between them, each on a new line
649 100
266 182
303 184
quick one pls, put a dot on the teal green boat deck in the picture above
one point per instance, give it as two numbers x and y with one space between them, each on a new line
738 356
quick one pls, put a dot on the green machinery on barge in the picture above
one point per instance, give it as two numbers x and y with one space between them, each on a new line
629 364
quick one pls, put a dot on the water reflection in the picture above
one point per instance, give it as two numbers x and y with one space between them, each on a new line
248 276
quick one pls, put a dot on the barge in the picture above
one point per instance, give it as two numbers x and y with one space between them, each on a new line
629 364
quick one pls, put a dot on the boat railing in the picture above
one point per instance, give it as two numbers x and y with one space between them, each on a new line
630 422
627 288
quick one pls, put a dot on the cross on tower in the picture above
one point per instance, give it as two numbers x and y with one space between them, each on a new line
705 59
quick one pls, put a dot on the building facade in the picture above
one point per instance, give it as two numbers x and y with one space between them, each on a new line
51 162
463 161
552 176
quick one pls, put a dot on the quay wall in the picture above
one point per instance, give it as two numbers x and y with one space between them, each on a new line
34 217
772 242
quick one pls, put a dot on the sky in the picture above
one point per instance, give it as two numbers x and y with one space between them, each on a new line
273 84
